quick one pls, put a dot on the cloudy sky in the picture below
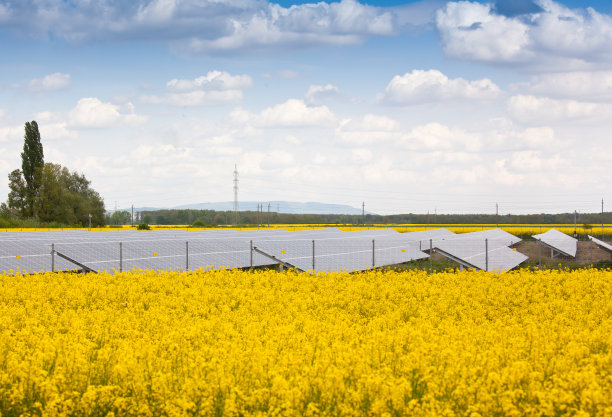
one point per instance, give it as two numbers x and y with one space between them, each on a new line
410 106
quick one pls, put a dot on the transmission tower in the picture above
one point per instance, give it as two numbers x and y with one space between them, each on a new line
235 194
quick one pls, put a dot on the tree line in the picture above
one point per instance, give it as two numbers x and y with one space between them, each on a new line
48 194
227 218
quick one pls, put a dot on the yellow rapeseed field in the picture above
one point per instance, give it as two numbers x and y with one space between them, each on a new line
263 343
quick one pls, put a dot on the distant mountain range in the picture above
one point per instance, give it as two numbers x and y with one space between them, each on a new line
291 207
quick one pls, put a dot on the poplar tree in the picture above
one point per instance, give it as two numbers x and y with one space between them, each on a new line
32 162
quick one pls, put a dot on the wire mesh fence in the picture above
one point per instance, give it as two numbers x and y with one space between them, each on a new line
331 252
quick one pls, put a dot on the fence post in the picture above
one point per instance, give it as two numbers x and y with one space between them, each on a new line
187 255
373 254
251 254
53 257
487 255
120 256
430 255
313 255
540 253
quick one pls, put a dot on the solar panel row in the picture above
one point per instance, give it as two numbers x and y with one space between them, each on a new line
181 249
316 250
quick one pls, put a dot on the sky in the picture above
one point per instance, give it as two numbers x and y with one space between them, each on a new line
405 106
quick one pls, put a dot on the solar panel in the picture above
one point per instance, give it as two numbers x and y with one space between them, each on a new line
486 250
481 254
424 236
603 245
558 242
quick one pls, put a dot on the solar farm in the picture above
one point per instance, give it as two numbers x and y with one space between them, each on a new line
319 250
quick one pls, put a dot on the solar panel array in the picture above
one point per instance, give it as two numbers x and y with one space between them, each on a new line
487 250
26 252
559 242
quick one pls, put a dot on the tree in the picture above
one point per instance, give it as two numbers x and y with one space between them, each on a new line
32 162
119 217
66 197
17 195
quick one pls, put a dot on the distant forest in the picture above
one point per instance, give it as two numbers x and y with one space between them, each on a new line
223 218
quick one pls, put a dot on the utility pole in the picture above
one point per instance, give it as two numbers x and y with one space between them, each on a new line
268 214
235 194
575 234
497 214
363 213
132 215
602 220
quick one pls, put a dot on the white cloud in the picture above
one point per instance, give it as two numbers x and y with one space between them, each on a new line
539 110
292 113
284 74
367 130
2 113
92 112
590 85
196 98
213 80
11 133
54 131
216 87
474 31
344 22
317 94
436 136
420 86
51 82
203 26
361 155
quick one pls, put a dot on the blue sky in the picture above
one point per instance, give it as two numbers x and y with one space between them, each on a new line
408 106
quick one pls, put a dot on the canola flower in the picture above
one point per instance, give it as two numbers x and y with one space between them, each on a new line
262 343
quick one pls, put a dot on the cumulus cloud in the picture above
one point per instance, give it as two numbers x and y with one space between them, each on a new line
292 113
11 133
319 93
213 80
589 85
203 26
216 87
439 137
420 86
92 112
368 129
51 82
538 110
475 31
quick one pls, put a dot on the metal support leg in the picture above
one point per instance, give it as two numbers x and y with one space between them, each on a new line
430 255
540 253
373 254
120 256
187 256
487 255
53 257
251 254
313 255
